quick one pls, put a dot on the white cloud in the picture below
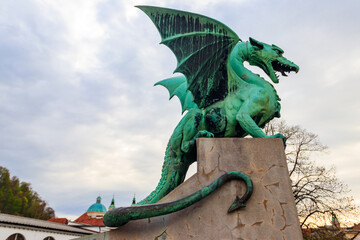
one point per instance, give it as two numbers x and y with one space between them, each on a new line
79 115
83 32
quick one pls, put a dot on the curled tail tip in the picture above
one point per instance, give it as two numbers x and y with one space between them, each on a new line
237 204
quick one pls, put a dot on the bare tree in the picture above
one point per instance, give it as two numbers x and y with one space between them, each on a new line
317 191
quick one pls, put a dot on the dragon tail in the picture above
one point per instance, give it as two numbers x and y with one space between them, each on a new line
120 216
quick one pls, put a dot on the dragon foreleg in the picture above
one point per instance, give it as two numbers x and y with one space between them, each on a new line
120 216
252 107
247 123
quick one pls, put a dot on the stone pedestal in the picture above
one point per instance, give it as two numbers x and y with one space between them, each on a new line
270 213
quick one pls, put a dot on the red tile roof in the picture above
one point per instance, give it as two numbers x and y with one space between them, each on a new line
59 220
85 219
356 227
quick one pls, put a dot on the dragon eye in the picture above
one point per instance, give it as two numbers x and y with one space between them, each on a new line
278 51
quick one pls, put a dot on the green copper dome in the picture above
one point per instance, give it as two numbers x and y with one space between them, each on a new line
97 207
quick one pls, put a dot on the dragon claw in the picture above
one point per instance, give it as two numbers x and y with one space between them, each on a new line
205 133
278 135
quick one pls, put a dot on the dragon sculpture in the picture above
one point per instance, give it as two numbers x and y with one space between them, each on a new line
221 96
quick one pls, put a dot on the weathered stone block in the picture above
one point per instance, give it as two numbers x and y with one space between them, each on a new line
270 213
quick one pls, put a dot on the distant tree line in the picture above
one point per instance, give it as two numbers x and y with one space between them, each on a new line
18 198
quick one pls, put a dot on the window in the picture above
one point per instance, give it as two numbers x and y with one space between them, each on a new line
16 236
49 238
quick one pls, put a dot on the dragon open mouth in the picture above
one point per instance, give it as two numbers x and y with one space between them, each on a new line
283 67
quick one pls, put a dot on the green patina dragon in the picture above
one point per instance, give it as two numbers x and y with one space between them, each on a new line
222 99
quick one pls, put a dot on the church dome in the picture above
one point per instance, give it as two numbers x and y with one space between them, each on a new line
97 207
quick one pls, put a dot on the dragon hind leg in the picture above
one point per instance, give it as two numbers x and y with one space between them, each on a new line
173 174
192 130
178 156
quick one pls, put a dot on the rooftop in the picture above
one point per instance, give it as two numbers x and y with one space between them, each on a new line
86 219
6 219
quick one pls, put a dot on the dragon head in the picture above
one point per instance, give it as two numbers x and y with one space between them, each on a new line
269 58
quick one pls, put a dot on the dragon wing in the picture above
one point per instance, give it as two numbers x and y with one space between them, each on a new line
177 86
201 45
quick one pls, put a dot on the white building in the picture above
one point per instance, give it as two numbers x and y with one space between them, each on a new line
23 228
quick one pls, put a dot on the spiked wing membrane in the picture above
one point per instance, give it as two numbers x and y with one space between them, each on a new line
201 45
177 86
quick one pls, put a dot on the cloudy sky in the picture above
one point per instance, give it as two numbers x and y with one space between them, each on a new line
79 115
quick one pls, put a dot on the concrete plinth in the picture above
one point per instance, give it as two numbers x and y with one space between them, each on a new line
270 213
